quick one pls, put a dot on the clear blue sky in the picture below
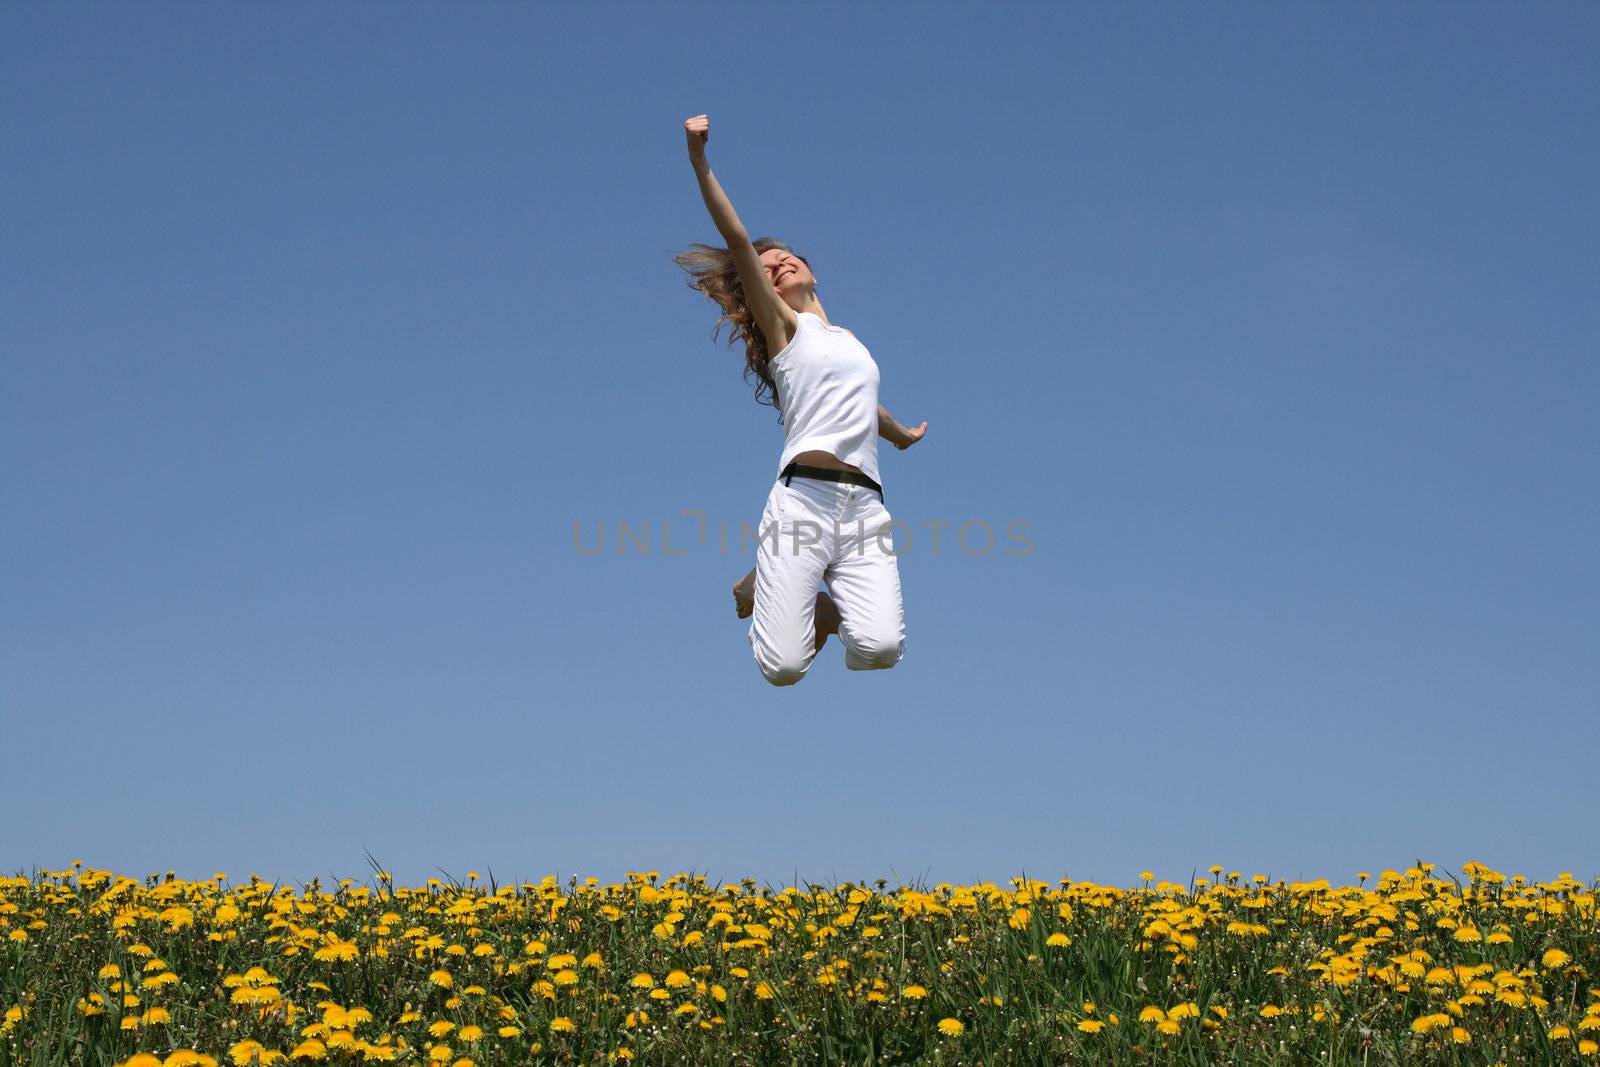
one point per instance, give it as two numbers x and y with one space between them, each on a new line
1275 323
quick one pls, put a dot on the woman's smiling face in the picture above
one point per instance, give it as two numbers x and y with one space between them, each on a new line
788 274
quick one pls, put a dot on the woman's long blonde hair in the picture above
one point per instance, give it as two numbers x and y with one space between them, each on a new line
712 272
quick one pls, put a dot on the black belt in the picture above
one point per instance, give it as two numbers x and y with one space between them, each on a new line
800 470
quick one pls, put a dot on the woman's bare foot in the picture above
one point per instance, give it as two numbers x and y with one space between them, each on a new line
744 594
826 612
827 616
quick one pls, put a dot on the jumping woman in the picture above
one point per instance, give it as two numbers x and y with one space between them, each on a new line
824 519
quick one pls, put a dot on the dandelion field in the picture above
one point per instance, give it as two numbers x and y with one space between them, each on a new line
1412 967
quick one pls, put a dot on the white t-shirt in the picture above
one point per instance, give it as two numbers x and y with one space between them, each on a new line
828 392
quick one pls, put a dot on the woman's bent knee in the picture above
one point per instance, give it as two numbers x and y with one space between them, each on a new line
783 667
784 661
786 673
874 656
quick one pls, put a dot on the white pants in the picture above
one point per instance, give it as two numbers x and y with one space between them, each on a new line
814 530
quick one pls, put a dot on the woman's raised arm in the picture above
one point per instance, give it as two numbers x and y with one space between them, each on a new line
772 315
698 131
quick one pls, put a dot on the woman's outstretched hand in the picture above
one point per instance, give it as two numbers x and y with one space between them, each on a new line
698 131
912 436
890 430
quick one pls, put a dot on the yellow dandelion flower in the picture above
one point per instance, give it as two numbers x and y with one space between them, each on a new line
311 1049
1168 1026
142 1059
593 960
440 1027
470 1033
1560 1033
951 1027
1459 1035
643 980
337 951
1270 1010
913 992
1587 1047
676 980
188 1058
1091 1026
1554 958
1151 1014
1057 940
562 1025
246 1052
442 979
